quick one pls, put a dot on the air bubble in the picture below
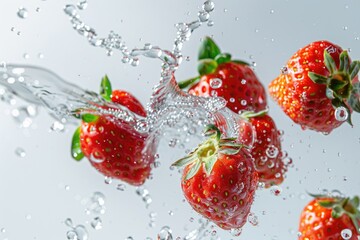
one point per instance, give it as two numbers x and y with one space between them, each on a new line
210 23
22 13
253 219
346 234
208 6
121 187
284 70
236 232
215 83
272 151
108 180
203 16
341 114
232 100
243 102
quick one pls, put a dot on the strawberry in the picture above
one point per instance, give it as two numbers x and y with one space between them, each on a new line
330 218
318 88
233 80
114 148
266 147
219 180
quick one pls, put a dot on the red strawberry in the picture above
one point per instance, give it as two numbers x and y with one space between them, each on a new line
219 180
219 76
266 149
114 148
318 79
330 218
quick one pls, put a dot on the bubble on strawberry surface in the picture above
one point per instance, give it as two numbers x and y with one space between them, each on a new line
215 83
20 152
346 233
341 114
243 102
165 234
272 151
22 13
96 223
276 190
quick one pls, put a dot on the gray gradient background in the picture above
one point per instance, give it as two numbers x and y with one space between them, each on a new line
35 185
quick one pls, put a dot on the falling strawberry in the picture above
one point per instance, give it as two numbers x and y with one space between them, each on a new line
266 147
233 80
318 88
330 218
219 180
114 148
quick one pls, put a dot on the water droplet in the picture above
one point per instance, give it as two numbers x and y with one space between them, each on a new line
284 70
129 238
243 81
121 187
82 5
171 213
70 10
341 114
57 127
215 83
346 234
253 219
77 233
275 190
67 187
243 102
208 6
22 13
203 16
41 56
26 56
272 11
236 232
18 33
108 180
13 29
28 217
22 116
345 28
165 234
144 194
20 152
173 142
96 223
38 9
232 100
3 230
68 222
134 62
272 151
210 23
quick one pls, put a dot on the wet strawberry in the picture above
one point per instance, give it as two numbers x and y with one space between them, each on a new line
114 148
233 80
266 148
219 180
330 218
318 88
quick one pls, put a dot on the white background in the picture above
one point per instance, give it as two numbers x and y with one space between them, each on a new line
34 199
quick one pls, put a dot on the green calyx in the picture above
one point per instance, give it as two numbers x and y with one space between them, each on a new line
207 153
341 206
105 88
210 56
339 82
76 151
247 115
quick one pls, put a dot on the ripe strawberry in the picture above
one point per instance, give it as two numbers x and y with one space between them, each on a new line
114 148
219 180
318 79
233 80
266 149
326 217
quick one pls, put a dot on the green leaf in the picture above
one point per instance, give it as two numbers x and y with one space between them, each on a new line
317 78
208 49
89 118
105 88
335 84
354 69
193 170
211 130
241 62
344 61
355 201
354 102
207 66
185 160
337 212
251 114
329 62
327 204
229 151
223 58
209 164
76 151
189 82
